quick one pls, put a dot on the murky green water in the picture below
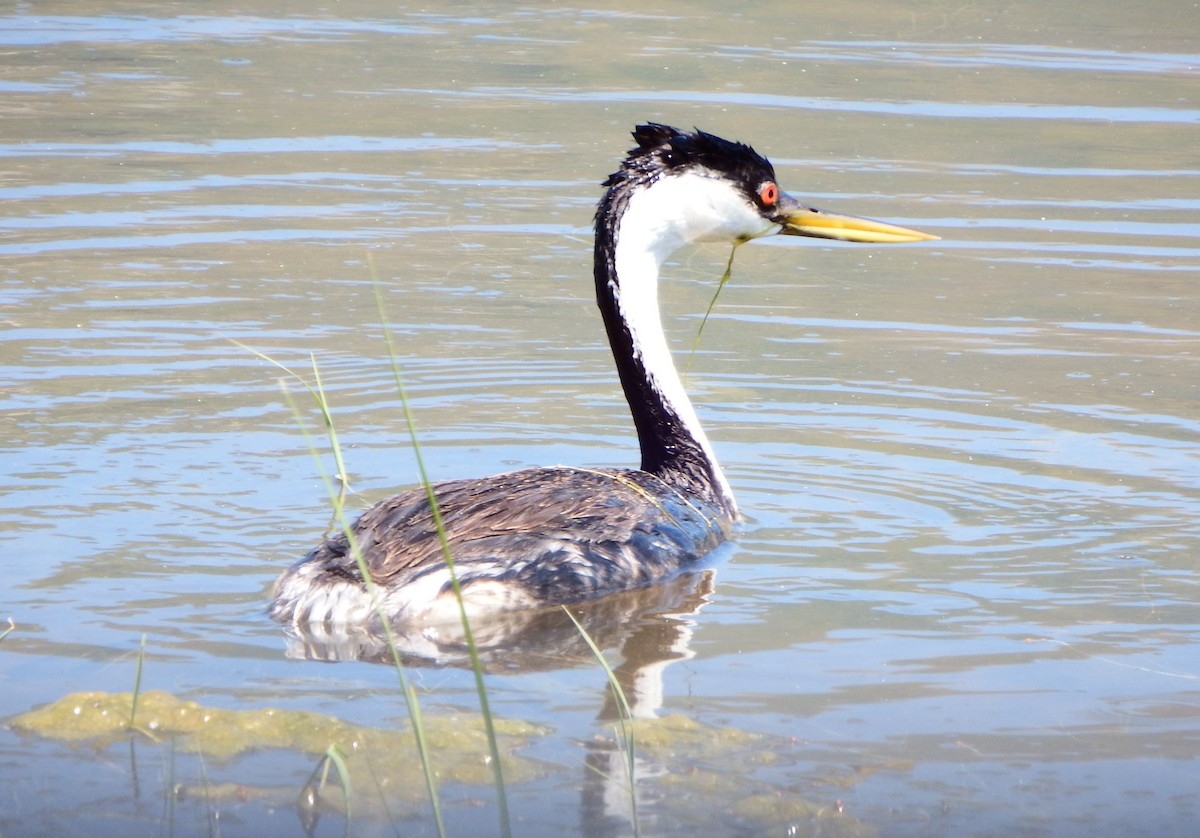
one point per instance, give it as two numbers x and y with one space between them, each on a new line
964 601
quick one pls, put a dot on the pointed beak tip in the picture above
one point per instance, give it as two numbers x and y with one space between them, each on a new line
805 221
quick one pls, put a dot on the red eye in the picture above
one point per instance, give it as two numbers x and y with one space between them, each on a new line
768 193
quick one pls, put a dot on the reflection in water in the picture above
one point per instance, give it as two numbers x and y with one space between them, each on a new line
616 783
647 624
651 627
639 778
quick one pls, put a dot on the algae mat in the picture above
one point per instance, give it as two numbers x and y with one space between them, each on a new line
683 768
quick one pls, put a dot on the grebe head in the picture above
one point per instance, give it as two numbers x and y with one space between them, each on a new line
680 187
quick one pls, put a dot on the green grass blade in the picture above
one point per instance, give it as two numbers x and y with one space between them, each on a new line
447 555
343 522
720 285
624 717
334 755
309 801
211 815
318 396
137 682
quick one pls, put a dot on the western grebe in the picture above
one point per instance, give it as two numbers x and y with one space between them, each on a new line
557 535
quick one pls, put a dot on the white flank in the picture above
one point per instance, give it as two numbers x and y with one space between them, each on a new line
427 599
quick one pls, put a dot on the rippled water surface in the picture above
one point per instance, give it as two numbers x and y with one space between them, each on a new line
964 597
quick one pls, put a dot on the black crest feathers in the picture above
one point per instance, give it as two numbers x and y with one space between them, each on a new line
662 149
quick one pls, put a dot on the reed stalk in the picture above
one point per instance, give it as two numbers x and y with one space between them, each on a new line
448 557
720 286
624 729
338 500
137 683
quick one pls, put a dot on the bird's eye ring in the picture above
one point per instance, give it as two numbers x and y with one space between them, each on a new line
768 193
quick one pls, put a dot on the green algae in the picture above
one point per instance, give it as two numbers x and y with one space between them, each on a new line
696 777
780 813
678 732
388 755
704 779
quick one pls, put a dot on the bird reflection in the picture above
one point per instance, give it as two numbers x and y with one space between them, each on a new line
648 625
651 627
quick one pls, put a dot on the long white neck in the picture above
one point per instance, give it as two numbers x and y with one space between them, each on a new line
652 223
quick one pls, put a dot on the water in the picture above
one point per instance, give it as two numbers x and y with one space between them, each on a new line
963 601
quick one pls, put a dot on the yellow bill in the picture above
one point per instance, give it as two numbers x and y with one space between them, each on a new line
799 220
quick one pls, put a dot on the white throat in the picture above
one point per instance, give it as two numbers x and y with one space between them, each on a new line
657 221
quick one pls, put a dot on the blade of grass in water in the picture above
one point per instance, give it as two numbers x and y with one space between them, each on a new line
211 814
472 649
309 801
334 755
720 285
168 816
338 498
137 681
318 396
624 717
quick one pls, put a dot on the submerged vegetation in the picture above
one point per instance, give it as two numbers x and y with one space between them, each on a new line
386 755
688 772
101 718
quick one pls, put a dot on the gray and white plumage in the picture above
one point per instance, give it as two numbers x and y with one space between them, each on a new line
545 536
520 539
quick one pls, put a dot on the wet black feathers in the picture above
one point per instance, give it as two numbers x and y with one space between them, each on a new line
662 149
598 529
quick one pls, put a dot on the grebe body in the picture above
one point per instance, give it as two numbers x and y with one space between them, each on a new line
558 535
